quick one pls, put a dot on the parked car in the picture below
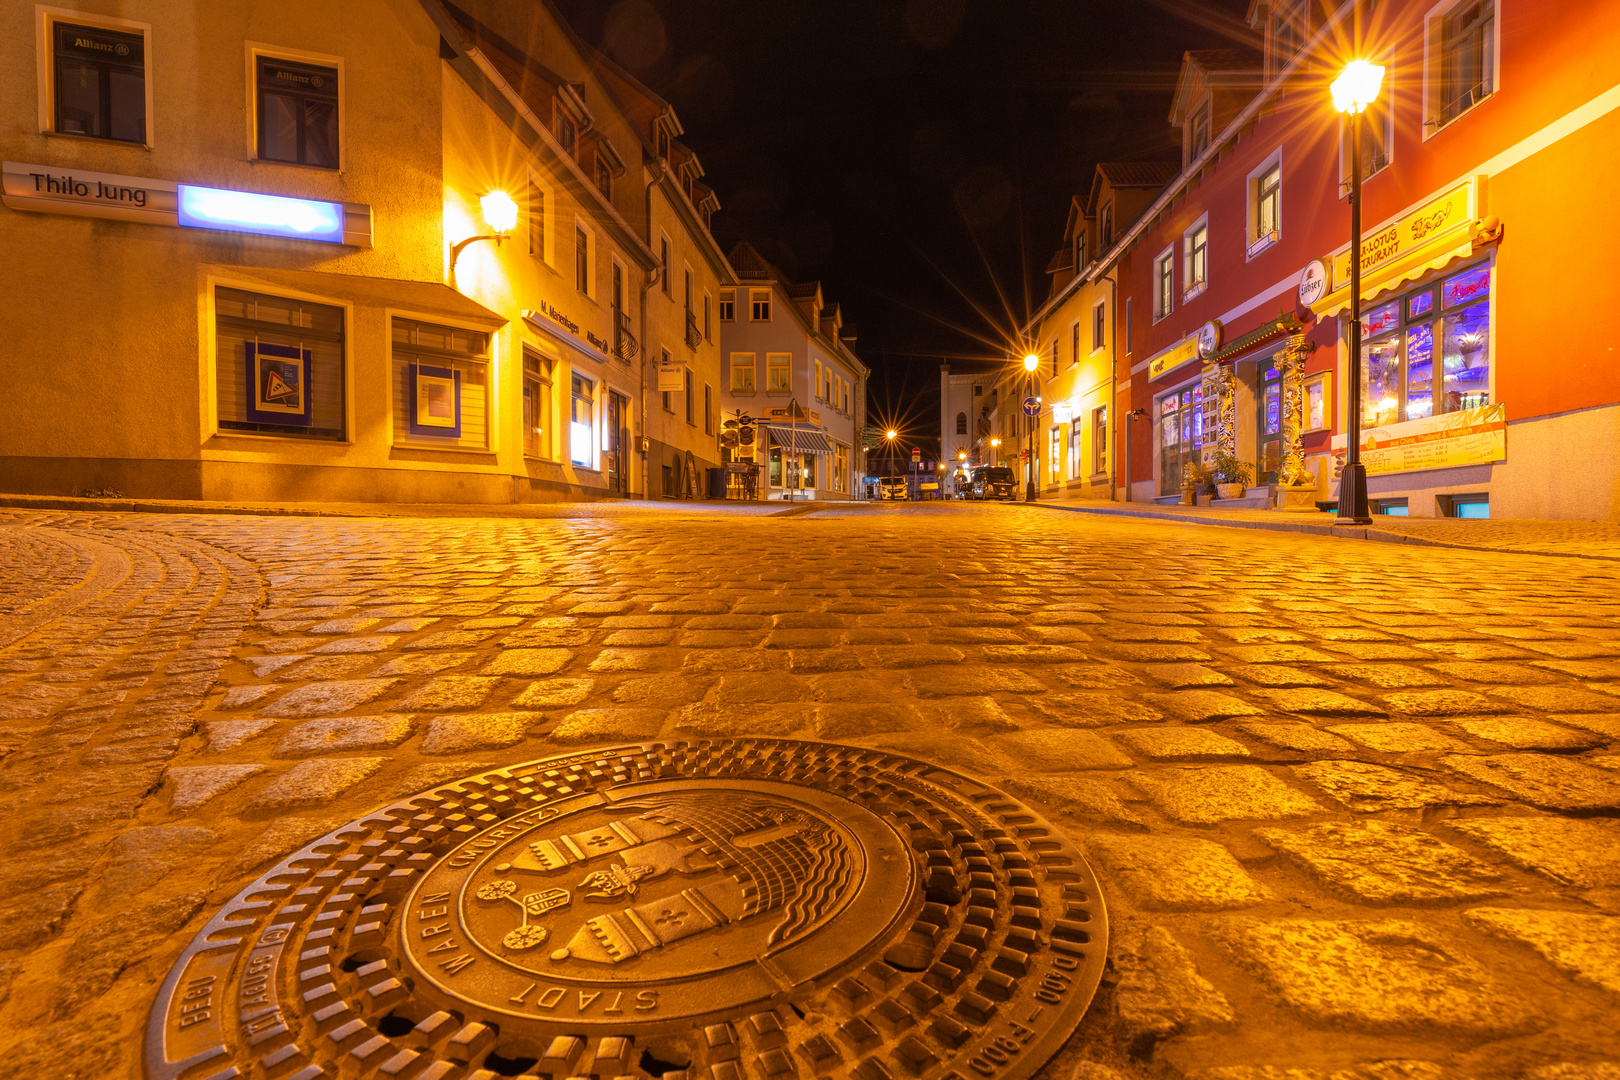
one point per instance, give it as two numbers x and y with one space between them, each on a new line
992 482
893 487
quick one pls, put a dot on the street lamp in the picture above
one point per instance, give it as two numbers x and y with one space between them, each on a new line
891 435
1354 90
500 214
1031 362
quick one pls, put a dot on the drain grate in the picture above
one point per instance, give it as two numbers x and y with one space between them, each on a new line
749 909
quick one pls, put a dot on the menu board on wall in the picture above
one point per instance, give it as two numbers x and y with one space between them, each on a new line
1449 441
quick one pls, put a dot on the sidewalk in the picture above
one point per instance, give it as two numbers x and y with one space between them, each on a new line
604 508
1569 539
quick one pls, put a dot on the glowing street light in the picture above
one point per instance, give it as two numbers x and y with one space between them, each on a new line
1353 91
500 214
1031 362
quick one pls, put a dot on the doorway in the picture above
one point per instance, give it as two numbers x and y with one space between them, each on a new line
1267 422
618 438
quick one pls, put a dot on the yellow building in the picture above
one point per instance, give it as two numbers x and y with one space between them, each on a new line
309 251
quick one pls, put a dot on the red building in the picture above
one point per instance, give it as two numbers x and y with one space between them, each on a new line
1491 163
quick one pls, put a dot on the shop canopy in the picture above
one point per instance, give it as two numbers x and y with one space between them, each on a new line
802 439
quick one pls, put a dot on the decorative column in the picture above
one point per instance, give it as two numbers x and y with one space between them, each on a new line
1296 484
1225 380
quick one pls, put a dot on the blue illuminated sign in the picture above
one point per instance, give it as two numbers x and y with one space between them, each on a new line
271 215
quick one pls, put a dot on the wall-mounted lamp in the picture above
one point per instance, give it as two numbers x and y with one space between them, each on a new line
500 214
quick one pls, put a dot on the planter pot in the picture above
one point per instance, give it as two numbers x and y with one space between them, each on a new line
1230 491
1189 496
1205 500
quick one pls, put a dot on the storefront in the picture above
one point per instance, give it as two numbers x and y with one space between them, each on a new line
802 460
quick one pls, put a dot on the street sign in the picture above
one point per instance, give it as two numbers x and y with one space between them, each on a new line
916 453
1032 406
1023 455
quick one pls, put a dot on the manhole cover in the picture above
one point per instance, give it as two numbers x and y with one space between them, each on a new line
713 910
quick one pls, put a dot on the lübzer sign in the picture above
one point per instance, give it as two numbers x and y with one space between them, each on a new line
1313 281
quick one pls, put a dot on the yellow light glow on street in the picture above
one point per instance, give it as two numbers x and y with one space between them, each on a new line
1357 86
1031 362
500 212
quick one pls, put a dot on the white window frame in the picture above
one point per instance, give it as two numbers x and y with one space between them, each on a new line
1164 259
816 392
492 397
1074 343
788 389
256 49
1255 241
1434 69
45 64
753 294
753 368
591 260
1205 109
1105 224
1099 327
1193 288
728 295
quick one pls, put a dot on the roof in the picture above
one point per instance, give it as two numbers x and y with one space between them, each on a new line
1223 59
1230 68
749 263
1138 174
1062 259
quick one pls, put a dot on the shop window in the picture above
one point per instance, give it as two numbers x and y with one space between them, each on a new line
99 80
1054 454
778 371
537 404
1464 41
1195 255
441 382
1181 435
742 372
1075 441
1318 400
840 478
1427 352
1099 439
581 425
1164 284
807 474
728 305
280 366
760 305
298 113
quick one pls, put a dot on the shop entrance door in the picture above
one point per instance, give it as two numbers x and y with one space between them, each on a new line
618 438
1268 422
1181 435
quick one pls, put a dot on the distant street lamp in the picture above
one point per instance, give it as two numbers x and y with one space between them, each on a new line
1031 362
995 445
1354 90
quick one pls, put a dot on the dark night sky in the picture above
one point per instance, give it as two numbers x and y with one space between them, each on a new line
915 156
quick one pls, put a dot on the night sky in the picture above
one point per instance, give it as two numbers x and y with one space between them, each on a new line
914 156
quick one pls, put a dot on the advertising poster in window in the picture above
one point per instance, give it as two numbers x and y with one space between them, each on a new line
278 377
1449 441
435 401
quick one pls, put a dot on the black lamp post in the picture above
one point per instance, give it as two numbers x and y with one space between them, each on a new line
1354 90
1031 362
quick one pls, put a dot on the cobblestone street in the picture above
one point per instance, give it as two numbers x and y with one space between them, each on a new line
1352 803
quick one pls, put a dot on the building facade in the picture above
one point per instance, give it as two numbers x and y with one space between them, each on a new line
1496 122
790 365
397 252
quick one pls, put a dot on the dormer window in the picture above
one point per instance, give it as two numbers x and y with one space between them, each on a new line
1105 226
604 177
1079 250
1288 28
567 131
663 144
1198 133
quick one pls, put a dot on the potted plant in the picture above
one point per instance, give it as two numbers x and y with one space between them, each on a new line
1232 476
1194 480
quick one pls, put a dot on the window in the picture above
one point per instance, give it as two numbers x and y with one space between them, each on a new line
1099 439
1075 432
663 261
618 289
1127 326
807 475
708 321
537 221
728 305
778 371
1198 132
1181 435
582 260
708 409
1079 251
760 302
667 397
817 384
1074 343
1465 506
1195 271
691 319
1377 138
846 397
1105 224
961 423
280 366
1265 205
1467 51
1099 324
1054 454
566 131
298 113
581 429
742 372
604 177
100 83
1390 507
1402 378
441 386
1289 26
686 392
663 144
537 406
1163 284
840 477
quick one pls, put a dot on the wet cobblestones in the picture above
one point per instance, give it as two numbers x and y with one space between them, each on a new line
1353 804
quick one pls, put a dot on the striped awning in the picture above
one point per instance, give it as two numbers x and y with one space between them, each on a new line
800 439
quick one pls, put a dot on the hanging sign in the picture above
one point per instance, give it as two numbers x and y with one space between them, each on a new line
671 378
1313 282
1208 338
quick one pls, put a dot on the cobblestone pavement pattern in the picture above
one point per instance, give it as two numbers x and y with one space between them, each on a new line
1352 804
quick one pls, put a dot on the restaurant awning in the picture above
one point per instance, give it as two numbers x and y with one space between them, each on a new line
802 440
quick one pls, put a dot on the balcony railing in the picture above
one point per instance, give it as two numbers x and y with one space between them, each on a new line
624 343
694 336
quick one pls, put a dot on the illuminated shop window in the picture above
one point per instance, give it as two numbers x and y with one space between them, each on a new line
441 386
538 408
581 429
298 113
1427 352
279 366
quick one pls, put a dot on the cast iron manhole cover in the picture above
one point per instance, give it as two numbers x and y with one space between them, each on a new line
750 909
